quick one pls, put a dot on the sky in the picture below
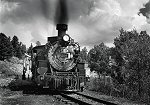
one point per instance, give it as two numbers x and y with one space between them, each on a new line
90 22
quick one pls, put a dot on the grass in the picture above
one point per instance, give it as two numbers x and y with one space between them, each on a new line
99 86
9 69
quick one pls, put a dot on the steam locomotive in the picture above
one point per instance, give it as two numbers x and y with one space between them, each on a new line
55 65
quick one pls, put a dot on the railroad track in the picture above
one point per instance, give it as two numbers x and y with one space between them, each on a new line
82 99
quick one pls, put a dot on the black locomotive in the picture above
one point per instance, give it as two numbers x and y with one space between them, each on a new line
55 65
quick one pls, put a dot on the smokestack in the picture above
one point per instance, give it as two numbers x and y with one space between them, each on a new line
62 28
61 17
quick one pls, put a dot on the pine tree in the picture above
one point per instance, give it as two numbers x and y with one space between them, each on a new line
19 52
23 48
38 43
83 55
134 49
6 48
15 44
17 47
30 49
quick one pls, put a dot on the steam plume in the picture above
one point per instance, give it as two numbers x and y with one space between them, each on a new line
61 14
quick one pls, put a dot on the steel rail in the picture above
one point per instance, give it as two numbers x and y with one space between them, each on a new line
96 99
81 102
74 99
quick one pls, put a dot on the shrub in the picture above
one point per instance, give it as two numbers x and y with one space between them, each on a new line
15 60
96 84
10 69
118 90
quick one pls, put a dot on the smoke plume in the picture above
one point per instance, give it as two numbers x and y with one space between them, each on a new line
61 14
45 8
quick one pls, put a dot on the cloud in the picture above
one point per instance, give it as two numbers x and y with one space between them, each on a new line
11 29
35 15
28 10
90 21
102 24
145 27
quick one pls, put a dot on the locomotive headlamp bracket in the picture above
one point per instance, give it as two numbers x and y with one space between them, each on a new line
66 37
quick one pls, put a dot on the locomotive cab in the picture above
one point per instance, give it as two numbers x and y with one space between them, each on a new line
39 61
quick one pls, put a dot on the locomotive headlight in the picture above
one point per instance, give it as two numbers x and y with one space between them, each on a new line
42 70
66 38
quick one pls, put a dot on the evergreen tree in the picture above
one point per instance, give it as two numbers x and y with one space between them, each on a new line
38 43
83 55
6 48
23 48
19 52
117 62
15 44
17 47
134 48
30 49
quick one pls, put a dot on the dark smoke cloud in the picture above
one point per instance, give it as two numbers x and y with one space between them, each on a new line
45 8
38 16
52 10
61 15
146 10
35 15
